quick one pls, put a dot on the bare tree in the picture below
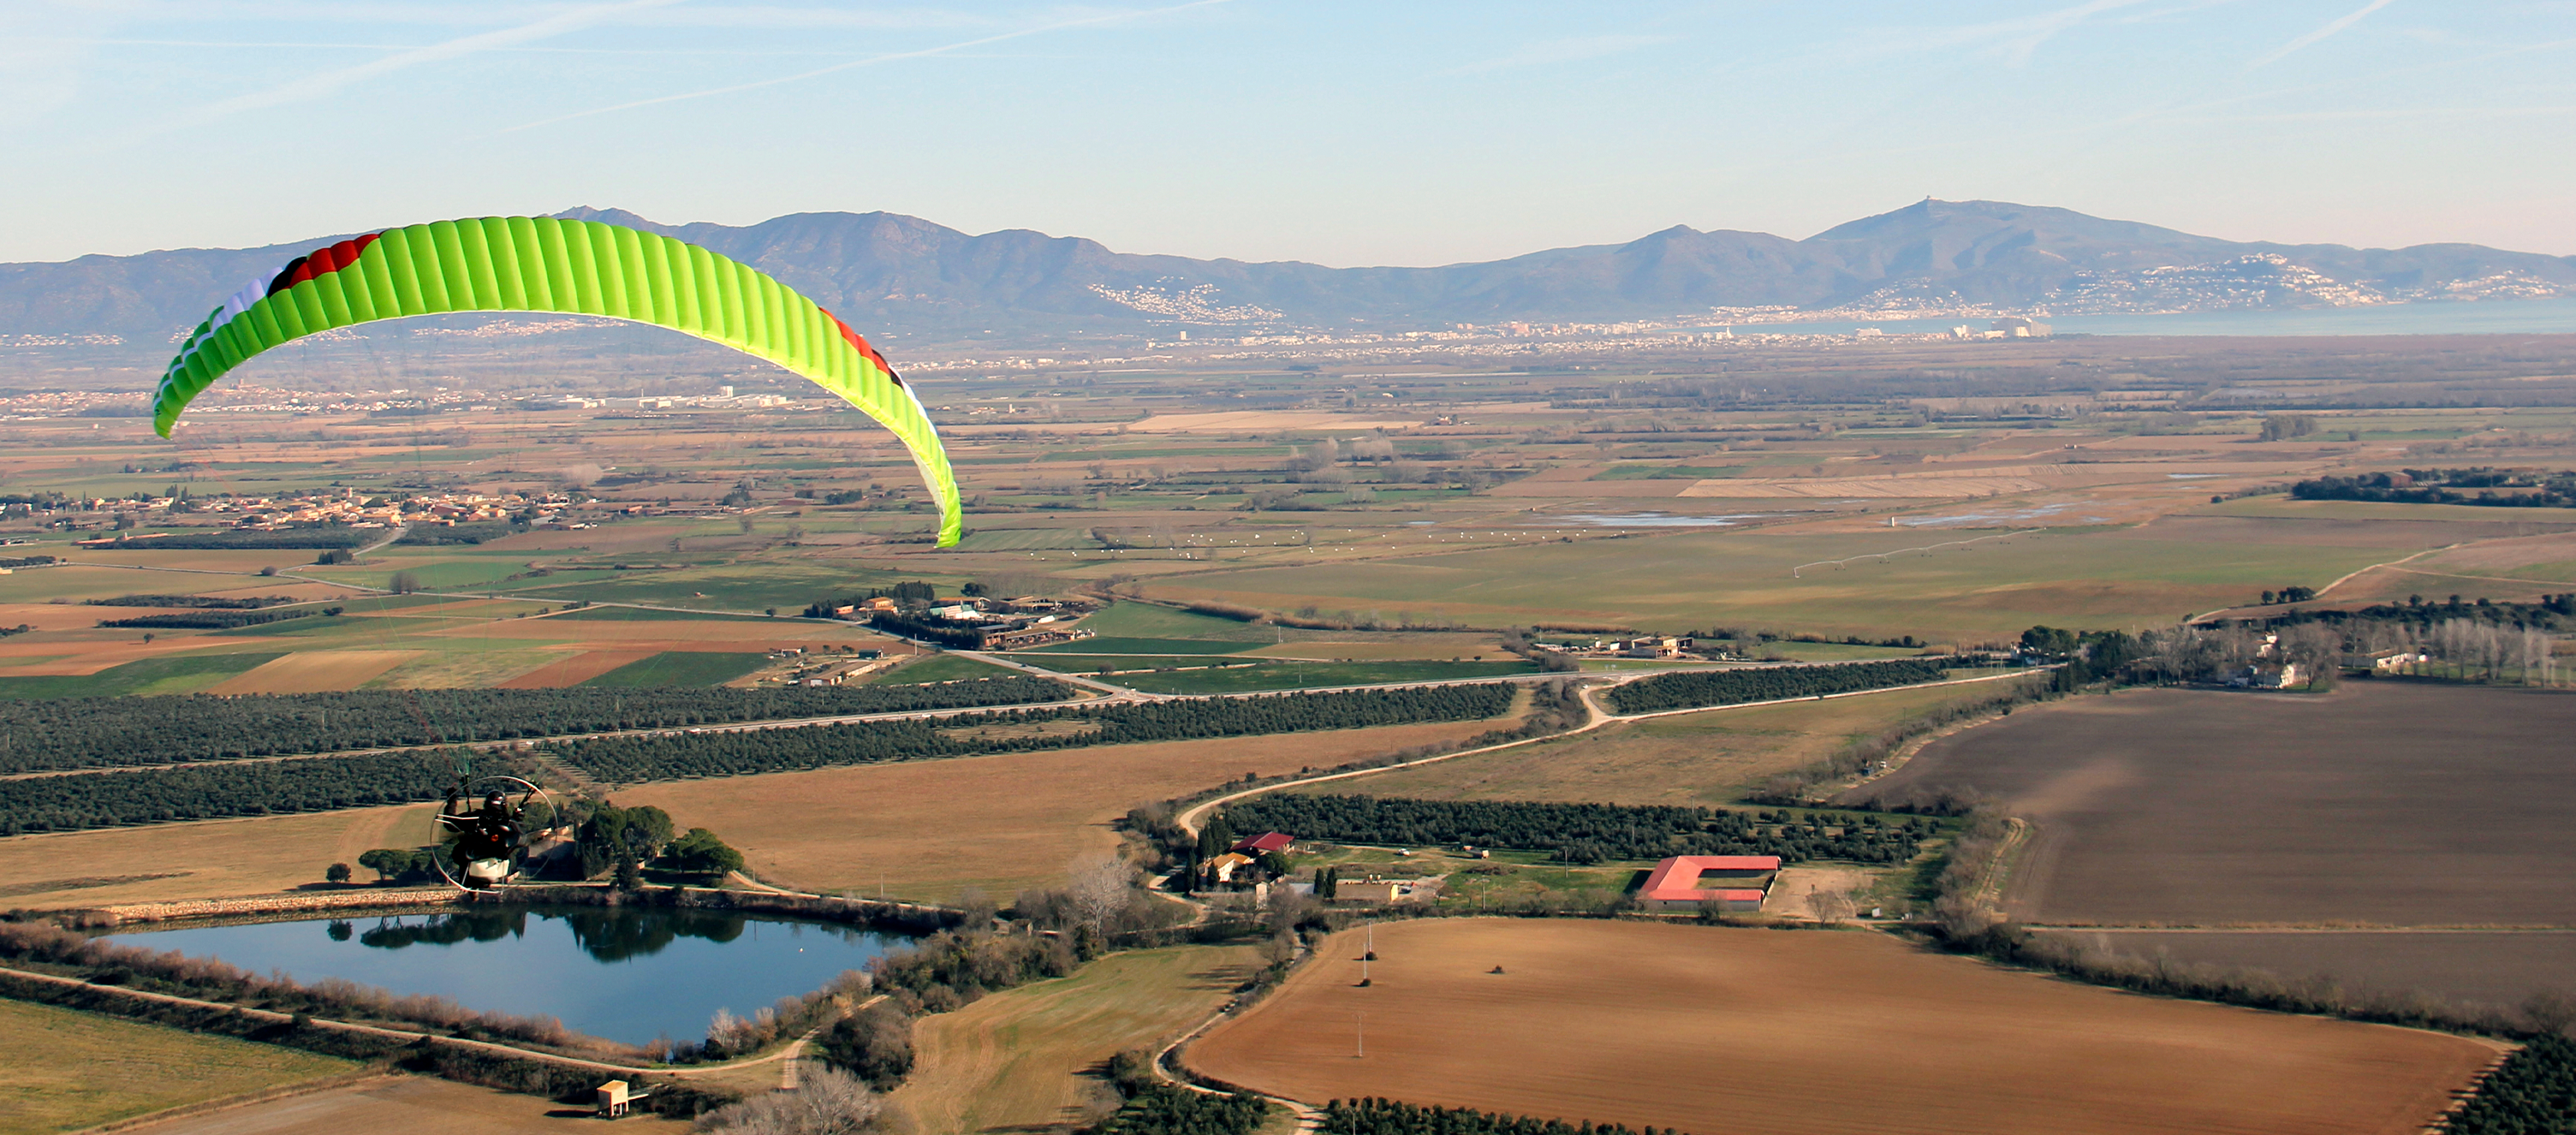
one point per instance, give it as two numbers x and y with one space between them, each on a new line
2550 1010
1101 889
2312 647
827 1101
1830 902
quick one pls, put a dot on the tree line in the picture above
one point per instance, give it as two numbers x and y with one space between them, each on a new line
212 620
251 788
333 537
40 735
205 792
2442 486
1695 688
1374 1116
1155 1106
1582 833
2532 1093
202 602
670 756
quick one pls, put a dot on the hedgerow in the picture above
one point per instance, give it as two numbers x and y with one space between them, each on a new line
1692 689
1582 833
1389 1117
40 735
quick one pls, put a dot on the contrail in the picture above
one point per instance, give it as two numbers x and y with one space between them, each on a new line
330 82
1114 17
2331 27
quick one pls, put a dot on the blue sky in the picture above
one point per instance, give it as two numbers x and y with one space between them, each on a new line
1342 133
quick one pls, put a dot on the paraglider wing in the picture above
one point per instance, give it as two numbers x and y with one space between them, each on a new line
574 267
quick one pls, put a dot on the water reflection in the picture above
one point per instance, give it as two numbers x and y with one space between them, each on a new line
628 973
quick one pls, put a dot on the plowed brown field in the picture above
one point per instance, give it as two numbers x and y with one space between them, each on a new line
2385 803
1754 1031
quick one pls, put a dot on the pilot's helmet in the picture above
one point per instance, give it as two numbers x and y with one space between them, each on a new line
494 800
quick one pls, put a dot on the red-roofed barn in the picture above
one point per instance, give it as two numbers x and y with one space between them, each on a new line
1677 882
1262 844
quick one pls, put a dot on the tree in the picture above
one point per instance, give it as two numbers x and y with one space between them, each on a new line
403 583
875 1044
827 1101
386 862
630 874
1100 891
701 853
336 873
2283 427
2550 1010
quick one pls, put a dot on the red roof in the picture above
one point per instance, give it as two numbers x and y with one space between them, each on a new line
1676 879
1268 841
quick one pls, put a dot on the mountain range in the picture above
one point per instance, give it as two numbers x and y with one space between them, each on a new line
903 275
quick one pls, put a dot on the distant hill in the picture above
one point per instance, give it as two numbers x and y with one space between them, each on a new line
885 271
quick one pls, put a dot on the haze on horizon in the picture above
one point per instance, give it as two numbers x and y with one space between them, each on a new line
1339 134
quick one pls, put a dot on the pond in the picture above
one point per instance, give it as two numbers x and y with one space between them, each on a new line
624 973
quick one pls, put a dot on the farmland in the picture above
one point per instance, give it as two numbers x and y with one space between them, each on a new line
1026 1058
413 1104
1227 528
2384 805
931 830
1712 757
70 1070
1748 1030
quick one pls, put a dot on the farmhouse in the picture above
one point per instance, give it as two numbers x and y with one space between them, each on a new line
1224 866
1745 881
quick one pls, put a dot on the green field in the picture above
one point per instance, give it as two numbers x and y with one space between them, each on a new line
940 668
1107 645
1146 621
2140 576
171 674
1025 539
1022 1059
649 615
733 587
1306 675
682 668
67 1070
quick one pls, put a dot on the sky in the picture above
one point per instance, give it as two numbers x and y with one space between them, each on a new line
1339 133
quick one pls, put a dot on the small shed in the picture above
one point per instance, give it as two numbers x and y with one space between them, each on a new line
614 1101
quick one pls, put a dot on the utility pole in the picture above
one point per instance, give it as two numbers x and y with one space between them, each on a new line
1362 1052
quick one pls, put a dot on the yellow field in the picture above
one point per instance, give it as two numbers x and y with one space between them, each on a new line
205 859
1693 759
1024 1059
314 671
929 830
412 1105
68 1070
